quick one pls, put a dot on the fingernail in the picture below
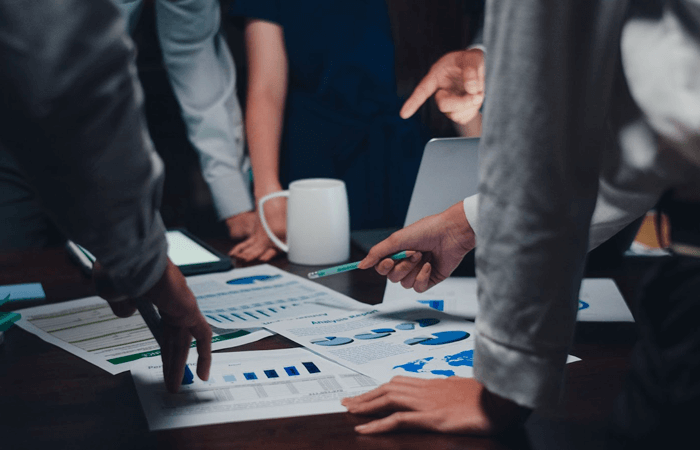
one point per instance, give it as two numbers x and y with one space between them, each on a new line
415 257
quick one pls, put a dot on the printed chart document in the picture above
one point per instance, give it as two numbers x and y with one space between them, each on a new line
389 340
88 329
599 299
244 386
258 295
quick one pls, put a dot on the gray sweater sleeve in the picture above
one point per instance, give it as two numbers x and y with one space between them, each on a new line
71 110
549 73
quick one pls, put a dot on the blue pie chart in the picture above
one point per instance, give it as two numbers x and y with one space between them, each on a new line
427 322
372 335
383 330
446 337
331 341
417 340
405 326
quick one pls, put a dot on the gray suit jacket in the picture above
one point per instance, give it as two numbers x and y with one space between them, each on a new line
564 116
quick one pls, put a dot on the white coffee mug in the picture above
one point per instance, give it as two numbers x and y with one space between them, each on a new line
318 221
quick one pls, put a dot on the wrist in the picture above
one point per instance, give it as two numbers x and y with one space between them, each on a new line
266 188
459 227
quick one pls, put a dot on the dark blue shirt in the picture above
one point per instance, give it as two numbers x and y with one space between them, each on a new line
342 109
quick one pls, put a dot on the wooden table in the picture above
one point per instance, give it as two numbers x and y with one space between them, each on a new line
51 399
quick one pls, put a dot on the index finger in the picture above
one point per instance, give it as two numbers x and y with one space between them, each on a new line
202 333
427 87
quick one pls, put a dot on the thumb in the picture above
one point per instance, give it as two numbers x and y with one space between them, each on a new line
124 308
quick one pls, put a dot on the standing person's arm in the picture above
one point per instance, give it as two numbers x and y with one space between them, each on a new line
72 115
265 101
549 74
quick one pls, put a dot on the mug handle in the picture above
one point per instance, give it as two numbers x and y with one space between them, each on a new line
261 213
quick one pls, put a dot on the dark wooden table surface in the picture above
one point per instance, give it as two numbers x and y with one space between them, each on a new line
51 399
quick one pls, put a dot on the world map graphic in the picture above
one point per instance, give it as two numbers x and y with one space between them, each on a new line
447 366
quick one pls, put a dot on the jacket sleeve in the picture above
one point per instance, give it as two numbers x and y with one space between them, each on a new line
72 116
549 73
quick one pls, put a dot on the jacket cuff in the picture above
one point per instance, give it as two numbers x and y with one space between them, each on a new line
528 379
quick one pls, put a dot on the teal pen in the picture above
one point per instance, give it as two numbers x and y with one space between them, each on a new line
348 266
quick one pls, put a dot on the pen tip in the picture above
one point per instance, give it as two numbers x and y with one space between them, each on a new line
313 275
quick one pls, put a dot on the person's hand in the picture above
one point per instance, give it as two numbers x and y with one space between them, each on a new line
181 321
259 247
441 241
241 225
457 80
448 405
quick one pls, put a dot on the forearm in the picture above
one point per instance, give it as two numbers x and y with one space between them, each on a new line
77 128
267 92
539 169
264 130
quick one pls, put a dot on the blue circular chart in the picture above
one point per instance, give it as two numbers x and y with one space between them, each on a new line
383 330
417 340
371 335
332 341
427 322
446 337
406 326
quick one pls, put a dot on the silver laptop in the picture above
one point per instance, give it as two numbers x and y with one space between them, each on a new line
448 173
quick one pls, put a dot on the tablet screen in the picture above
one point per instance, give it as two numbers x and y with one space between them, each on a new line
183 251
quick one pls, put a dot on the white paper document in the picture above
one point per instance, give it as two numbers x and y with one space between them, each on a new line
258 295
87 328
388 341
599 299
249 386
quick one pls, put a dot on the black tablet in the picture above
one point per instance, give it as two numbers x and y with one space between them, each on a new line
185 250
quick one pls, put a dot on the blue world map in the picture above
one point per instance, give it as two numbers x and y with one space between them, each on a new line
441 366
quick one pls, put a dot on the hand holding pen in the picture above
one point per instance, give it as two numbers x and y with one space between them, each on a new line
440 243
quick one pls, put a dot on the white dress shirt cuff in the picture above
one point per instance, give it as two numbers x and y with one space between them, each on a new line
471 210
231 195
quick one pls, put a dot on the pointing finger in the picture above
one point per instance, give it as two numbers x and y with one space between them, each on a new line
427 87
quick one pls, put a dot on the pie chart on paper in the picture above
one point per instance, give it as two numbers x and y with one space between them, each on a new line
331 341
445 337
372 335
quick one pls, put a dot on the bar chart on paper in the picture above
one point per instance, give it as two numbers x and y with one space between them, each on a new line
256 296
259 305
250 386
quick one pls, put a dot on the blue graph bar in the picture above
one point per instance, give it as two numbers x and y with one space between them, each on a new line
311 367
229 378
291 371
250 376
271 373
